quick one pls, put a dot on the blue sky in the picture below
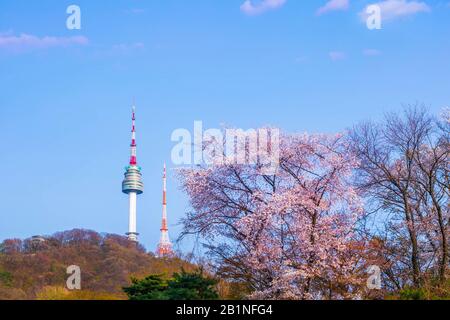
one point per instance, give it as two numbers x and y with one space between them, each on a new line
66 94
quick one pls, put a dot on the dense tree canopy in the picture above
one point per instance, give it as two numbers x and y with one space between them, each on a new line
182 286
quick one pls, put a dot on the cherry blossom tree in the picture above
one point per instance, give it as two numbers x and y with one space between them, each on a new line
290 235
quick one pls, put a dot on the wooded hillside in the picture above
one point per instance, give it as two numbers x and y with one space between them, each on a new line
33 269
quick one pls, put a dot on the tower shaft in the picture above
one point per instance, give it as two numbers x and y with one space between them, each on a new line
132 234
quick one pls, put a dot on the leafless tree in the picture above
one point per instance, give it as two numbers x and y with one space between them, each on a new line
404 165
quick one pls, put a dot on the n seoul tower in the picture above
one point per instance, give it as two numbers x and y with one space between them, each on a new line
164 248
132 183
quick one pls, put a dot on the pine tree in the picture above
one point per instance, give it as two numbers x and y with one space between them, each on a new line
152 287
183 286
192 286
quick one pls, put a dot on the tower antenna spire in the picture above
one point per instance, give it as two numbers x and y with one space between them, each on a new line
164 248
133 158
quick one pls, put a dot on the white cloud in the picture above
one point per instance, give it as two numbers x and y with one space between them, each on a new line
333 5
25 41
371 52
392 9
337 55
253 7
